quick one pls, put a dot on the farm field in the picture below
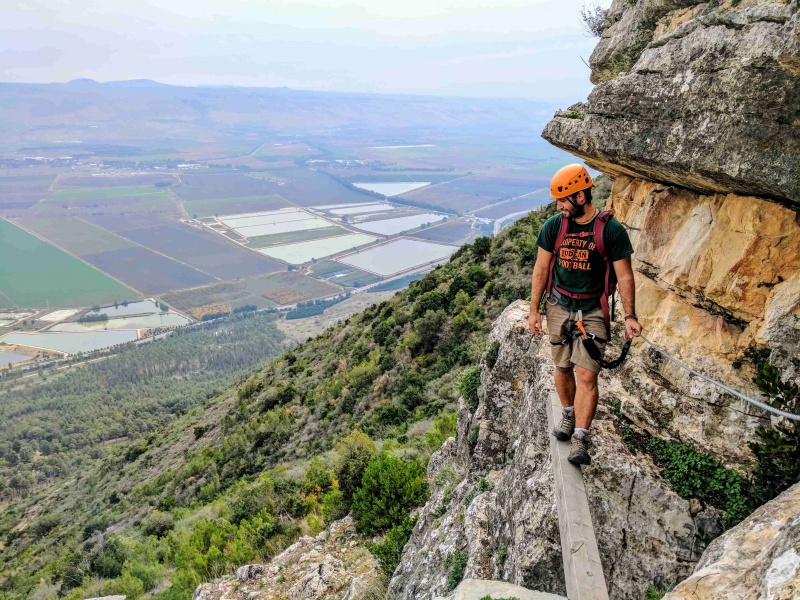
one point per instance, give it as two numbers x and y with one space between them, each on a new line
456 232
71 343
358 209
267 291
354 278
395 188
474 192
105 192
35 273
302 252
263 241
528 203
365 175
209 253
399 225
23 190
127 181
243 204
397 256
75 235
147 271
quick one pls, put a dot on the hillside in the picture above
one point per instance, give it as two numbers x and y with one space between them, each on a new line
389 371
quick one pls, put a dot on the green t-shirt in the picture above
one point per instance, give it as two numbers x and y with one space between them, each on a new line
579 267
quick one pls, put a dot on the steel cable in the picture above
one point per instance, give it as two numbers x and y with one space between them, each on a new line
730 390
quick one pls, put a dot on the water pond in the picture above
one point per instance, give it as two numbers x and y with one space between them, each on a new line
11 357
71 343
145 322
145 307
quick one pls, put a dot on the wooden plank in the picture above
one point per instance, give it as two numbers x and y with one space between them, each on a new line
583 571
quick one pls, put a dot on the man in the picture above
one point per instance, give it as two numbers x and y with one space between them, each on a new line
576 283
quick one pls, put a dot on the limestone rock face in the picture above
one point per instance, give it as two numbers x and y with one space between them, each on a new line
335 564
703 95
759 558
493 507
717 276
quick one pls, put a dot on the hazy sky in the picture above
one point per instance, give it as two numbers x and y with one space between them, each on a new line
512 48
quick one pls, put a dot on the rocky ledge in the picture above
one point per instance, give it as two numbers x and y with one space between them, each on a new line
705 95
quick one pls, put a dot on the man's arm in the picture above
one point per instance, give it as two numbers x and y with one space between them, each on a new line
541 272
627 292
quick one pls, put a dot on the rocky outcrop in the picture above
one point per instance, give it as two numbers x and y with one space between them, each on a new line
757 559
478 589
718 276
335 564
705 95
493 506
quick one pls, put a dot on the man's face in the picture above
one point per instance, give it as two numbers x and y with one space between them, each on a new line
568 209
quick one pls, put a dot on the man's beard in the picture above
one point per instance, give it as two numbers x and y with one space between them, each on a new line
576 211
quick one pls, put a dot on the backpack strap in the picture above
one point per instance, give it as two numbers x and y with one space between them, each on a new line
599 227
559 240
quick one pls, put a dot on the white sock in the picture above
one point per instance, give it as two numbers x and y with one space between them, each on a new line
582 430
568 409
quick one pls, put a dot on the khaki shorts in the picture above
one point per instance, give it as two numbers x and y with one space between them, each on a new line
566 355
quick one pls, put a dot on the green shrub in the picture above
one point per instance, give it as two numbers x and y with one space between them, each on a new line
481 246
696 475
444 427
456 564
353 453
390 550
333 505
468 384
390 488
482 486
158 524
318 478
490 358
777 450
108 562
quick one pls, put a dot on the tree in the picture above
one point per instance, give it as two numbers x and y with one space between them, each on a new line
353 453
390 488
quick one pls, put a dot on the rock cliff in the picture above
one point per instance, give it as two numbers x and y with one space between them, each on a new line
493 499
696 119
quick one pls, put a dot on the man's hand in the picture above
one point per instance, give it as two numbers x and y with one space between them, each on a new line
535 322
633 329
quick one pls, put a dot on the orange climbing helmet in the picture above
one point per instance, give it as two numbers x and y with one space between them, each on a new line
569 180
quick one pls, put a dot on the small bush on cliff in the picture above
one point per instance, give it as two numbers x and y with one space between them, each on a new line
389 490
456 564
389 551
468 385
696 475
777 450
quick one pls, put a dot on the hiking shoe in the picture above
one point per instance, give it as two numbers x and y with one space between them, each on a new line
566 427
580 449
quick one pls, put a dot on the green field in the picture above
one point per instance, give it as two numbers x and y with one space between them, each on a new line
289 237
76 236
33 273
98 193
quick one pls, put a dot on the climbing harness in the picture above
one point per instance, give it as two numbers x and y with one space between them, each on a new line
610 279
589 341
730 390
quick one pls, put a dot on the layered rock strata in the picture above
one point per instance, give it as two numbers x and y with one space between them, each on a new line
493 501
